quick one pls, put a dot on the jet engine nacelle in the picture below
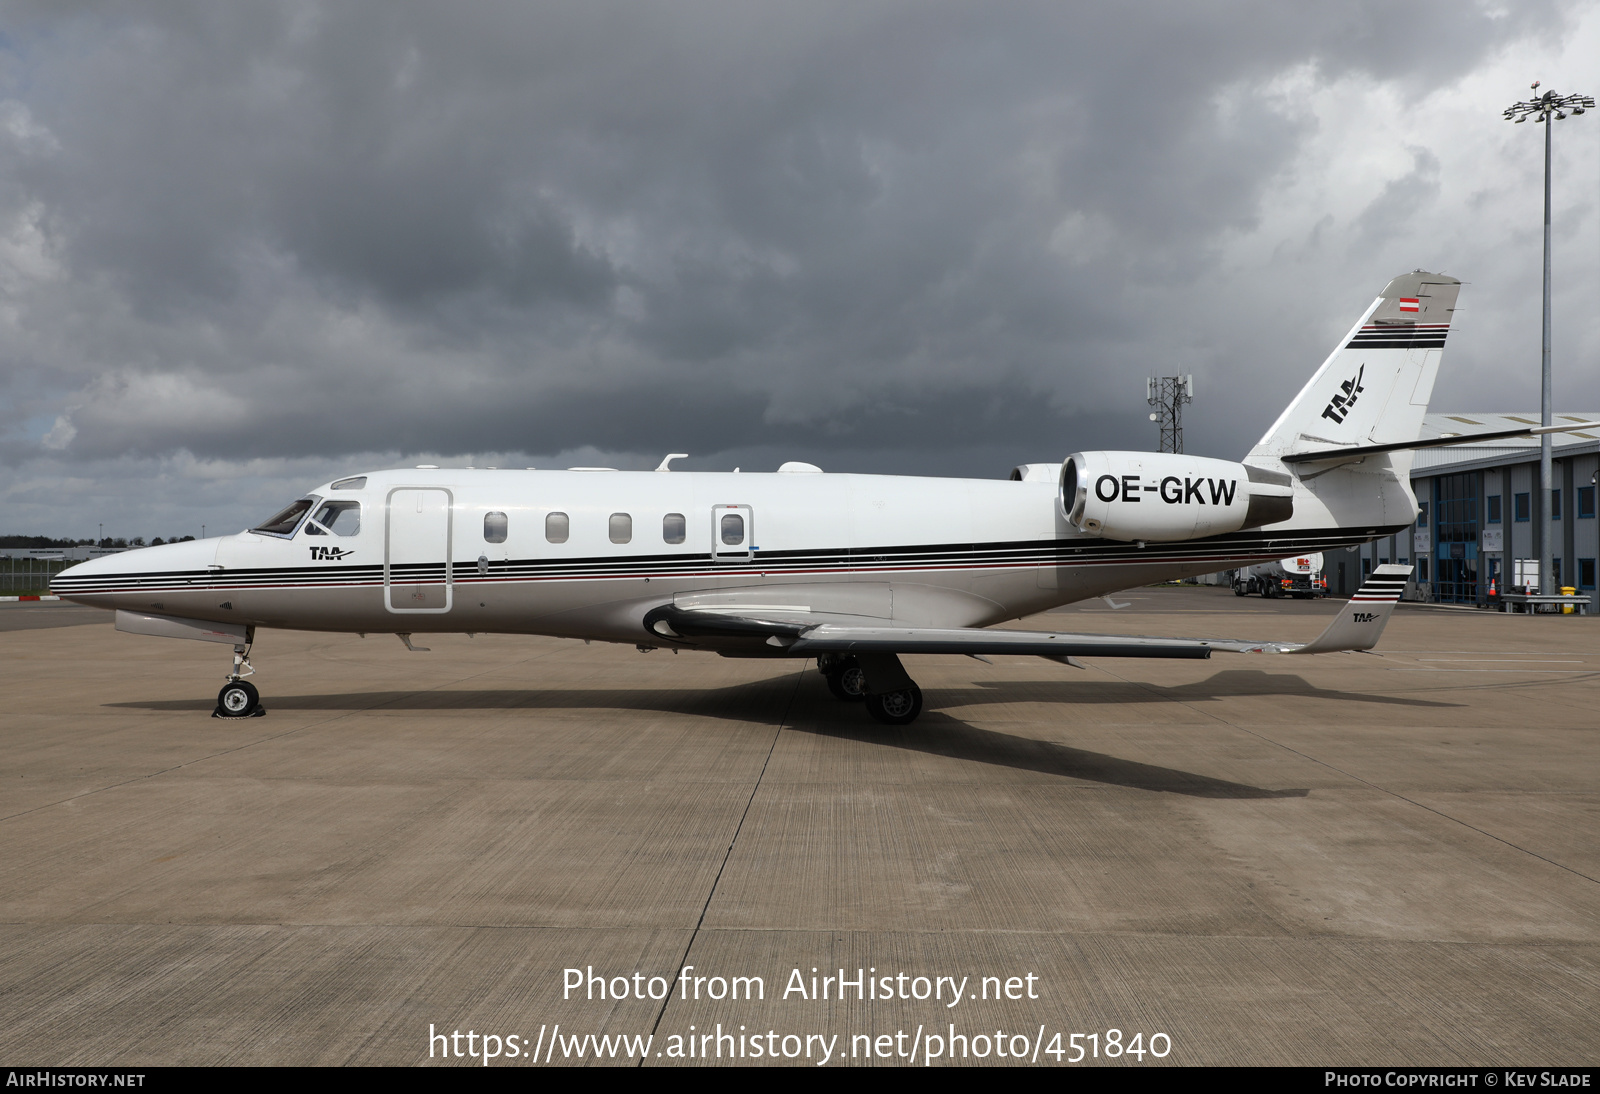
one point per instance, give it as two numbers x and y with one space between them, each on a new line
1163 497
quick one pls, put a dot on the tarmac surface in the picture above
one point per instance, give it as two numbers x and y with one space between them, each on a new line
1342 860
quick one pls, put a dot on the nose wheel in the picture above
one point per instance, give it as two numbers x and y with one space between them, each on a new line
238 697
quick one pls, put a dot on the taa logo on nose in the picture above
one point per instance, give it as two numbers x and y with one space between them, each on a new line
330 554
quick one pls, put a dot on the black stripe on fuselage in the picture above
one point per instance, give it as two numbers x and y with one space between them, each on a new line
1225 550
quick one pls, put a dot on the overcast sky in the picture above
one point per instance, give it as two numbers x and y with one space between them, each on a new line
247 247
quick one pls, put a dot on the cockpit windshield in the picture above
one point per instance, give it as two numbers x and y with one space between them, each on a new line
339 518
284 523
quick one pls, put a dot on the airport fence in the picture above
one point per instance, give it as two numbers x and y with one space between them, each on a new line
29 576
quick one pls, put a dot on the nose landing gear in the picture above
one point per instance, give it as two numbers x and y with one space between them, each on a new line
239 698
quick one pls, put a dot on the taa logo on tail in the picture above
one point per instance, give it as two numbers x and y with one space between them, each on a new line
1363 617
1339 406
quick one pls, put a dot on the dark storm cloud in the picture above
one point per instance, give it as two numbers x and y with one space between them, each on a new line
317 229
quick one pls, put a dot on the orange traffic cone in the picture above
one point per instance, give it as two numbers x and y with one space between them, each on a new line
1491 586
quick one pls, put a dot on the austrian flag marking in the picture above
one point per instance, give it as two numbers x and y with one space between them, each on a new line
1410 303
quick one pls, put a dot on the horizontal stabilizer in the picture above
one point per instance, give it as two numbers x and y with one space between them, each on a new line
1355 451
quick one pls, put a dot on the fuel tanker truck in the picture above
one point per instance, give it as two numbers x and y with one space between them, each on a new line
1299 576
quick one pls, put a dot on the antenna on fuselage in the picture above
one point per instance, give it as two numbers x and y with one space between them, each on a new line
666 463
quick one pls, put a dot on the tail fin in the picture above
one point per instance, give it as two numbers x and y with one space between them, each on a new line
1360 623
1375 386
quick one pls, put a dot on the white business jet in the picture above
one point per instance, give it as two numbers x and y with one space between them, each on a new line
853 570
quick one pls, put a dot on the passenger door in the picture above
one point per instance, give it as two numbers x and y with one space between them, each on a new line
416 551
733 532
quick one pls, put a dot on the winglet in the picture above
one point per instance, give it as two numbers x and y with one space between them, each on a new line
1360 623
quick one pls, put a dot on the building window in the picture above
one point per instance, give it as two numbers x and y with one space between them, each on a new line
1422 515
621 528
674 529
557 527
1585 503
1519 508
1586 573
494 527
1494 509
1555 505
1422 568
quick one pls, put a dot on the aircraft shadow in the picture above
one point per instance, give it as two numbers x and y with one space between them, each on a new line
814 712
1232 683
938 734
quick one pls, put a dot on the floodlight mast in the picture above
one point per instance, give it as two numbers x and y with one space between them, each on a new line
1543 109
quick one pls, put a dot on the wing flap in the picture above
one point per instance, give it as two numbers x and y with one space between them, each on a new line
832 638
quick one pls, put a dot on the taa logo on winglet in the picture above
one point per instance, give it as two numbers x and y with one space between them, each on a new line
1339 406
1363 617
330 554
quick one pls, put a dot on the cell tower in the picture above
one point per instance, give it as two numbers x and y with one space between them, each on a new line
1168 394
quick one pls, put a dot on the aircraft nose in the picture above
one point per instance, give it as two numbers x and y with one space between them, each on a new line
98 580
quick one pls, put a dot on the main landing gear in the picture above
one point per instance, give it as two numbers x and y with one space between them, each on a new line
238 697
878 680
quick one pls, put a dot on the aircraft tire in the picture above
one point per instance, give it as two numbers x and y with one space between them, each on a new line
896 708
847 682
238 699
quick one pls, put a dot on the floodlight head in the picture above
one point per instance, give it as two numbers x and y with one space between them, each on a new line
1522 119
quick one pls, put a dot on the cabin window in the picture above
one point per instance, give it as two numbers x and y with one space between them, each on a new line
338 518
284 523
557 527
674 529
621 528
494 528
733 529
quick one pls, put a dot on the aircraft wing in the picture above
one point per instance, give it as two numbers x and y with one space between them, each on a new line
1357 627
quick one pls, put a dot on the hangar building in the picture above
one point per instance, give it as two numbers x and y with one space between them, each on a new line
1478 520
